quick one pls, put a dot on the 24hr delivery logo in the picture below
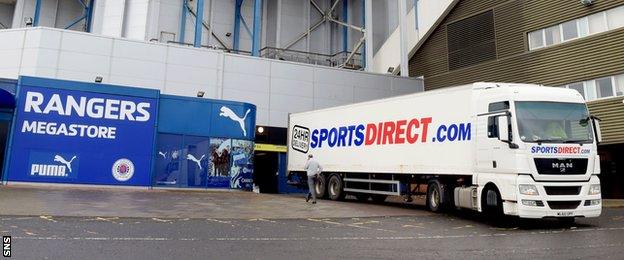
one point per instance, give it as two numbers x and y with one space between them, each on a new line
405 131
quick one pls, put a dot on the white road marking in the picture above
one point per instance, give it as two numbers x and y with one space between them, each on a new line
309 238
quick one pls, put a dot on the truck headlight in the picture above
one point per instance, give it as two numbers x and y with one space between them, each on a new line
594 189
528 189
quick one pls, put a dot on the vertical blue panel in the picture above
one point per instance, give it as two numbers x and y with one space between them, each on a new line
364 26
37 13
199 19
197 161
183 20
168 160
89 15
237 22
345 30
416 13
257 25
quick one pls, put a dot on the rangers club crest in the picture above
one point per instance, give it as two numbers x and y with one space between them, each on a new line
123 169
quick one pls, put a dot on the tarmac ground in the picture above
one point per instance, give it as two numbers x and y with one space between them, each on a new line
89 223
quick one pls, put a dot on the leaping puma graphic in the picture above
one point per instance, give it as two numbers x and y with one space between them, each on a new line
227 112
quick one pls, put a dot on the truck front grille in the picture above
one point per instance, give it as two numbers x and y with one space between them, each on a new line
564 204
562 190
559 166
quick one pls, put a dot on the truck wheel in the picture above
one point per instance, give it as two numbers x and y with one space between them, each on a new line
335 186
492 203
434 197
378 198
320 187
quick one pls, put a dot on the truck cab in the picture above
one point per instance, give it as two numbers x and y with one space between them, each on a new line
536 153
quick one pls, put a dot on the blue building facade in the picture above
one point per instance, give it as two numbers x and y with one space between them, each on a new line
90 133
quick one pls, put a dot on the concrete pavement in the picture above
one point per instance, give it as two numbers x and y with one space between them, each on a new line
111 202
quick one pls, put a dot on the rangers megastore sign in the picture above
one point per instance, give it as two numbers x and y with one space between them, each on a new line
67 135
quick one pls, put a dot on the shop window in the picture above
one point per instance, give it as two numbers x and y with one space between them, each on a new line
536 39
552 35
597 23
583 27
570 30
578 87
604 87
619 81
615 18
590 90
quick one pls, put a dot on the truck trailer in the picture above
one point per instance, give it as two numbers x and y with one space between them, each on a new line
498 148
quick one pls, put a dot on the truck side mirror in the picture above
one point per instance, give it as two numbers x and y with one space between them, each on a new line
596 123
503 128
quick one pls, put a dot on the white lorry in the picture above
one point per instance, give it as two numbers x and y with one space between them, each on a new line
498 148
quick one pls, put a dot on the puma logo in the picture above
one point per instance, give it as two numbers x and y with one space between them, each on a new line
190 157
164 155
227 112
60 159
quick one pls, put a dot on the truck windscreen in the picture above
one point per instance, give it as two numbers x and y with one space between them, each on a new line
553 122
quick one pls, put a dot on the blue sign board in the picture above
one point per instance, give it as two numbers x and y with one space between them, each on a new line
86 133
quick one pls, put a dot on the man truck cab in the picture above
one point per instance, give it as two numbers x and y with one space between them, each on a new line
542 141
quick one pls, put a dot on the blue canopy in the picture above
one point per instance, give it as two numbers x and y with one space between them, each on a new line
7 99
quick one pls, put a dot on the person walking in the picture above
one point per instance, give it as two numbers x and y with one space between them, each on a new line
313 169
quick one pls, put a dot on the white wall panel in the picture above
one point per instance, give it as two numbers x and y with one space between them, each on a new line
261 100
139 51
190 89
292 87
291 103
82 42
275 87
89 63
334 92
138 69
48 39
191 75
246 82
193 57
292 71
247 65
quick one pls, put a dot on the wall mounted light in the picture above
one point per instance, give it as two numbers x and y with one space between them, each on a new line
587 2
98 79
200 94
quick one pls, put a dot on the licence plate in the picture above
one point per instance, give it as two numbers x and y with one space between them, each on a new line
565 213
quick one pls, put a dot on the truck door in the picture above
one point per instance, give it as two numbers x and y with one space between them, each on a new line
493 155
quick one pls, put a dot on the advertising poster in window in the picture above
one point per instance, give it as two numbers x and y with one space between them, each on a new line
241 174
220 164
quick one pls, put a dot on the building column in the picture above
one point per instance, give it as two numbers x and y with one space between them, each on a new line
368 25
403 37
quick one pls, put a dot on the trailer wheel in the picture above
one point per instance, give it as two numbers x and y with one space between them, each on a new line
335 187
434 197
321 187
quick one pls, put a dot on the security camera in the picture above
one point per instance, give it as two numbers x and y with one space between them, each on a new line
28 21
587 2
